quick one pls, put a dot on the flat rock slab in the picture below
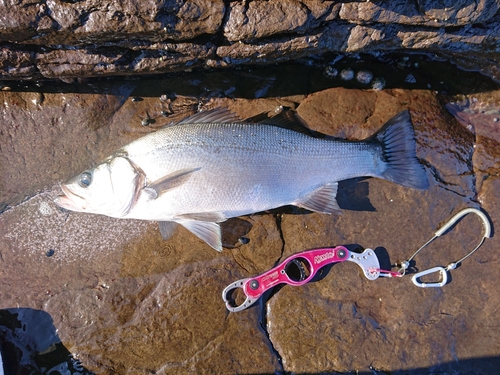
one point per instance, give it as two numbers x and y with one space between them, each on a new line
120 299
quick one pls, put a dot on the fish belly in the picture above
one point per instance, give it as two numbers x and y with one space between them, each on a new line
242 169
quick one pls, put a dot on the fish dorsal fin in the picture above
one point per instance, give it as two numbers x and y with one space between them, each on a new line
288 119
321 200
206 230
215 217
168 182
167 229
210 116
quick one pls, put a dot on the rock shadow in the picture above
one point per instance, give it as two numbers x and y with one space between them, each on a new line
277 80
353 195
29 344
471 366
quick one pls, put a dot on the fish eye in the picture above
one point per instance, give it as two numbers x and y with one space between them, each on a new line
85 179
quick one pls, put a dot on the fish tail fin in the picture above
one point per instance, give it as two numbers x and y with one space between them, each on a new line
397 139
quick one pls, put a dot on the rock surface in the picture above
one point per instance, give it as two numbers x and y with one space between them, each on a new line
119 299
74 39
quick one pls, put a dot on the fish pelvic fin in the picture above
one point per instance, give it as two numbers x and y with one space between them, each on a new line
209 232
321 200
167 228
397 139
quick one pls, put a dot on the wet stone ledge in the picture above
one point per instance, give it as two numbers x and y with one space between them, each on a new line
112 297
75 39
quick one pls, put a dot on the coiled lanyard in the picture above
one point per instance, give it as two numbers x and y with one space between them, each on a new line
442 271
301 268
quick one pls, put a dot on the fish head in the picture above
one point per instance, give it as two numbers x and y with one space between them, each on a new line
109 189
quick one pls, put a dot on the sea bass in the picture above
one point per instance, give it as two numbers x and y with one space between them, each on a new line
212 166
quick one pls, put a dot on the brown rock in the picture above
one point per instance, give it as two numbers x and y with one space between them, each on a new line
161 58
169 324
388 324
67 40
61 118
124 301
261 19
79 23
422 13
16 63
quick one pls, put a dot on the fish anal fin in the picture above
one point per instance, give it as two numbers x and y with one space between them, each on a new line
167 229
168 182
215 217
321 200
209 232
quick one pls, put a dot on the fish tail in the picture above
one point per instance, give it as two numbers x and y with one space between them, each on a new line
399 153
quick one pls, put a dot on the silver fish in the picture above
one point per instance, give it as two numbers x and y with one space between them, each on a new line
212 166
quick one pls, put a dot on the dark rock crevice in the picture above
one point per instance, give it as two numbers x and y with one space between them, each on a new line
263 323
263 316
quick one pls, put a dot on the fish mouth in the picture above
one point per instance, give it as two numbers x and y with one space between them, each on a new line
70 200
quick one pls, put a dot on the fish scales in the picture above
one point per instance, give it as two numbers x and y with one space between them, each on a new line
253 167
210 142
211 167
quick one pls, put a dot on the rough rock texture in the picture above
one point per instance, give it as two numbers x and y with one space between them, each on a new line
74 39
120 299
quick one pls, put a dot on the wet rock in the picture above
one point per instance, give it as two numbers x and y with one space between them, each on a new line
149 303
94 62
78 23
422 13
16 62
67 40
30 345
361 38
61 117
125 301
261 19
386 324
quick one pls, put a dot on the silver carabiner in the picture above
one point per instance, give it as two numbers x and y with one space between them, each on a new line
443 271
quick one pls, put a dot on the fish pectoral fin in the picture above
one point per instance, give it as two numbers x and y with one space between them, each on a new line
321 200
208 231
215 217
167 229
168 182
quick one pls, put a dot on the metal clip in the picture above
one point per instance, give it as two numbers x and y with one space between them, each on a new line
368 262
443 271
